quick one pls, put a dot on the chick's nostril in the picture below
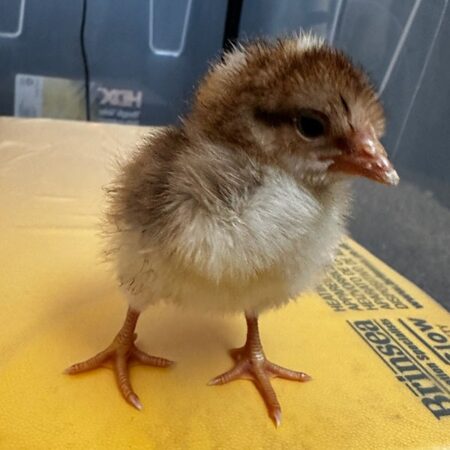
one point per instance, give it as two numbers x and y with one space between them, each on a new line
383 163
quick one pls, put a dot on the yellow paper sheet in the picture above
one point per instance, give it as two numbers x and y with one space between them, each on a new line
377 347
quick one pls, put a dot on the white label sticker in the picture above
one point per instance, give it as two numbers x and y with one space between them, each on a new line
28 95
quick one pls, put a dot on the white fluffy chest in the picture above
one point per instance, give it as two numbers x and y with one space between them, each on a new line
280 220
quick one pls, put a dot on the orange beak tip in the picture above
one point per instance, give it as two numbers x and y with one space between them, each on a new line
362 154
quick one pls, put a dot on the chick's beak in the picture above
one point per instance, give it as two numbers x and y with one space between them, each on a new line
361 153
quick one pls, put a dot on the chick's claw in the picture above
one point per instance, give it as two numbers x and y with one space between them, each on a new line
252 364
118 357
287 374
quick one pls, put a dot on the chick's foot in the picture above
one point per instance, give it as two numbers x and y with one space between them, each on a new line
251 363
118 356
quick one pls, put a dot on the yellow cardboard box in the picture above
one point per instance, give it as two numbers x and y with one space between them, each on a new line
377 347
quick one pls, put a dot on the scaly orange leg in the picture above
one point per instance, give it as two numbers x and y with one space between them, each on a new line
251 363
119 354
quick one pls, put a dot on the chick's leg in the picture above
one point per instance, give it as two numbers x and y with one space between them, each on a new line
251 363
118 355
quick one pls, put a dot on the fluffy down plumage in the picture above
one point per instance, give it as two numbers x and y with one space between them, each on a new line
230 211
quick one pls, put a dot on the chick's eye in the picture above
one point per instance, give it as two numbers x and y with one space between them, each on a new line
310 124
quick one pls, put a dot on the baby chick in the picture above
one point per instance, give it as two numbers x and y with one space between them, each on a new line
242 207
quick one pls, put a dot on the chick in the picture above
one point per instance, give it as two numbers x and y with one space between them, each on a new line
242 207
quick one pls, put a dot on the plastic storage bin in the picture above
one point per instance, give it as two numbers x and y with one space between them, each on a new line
145 57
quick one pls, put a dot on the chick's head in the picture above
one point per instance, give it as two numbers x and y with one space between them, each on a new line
296 103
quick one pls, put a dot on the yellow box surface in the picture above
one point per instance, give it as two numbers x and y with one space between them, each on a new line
377 347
